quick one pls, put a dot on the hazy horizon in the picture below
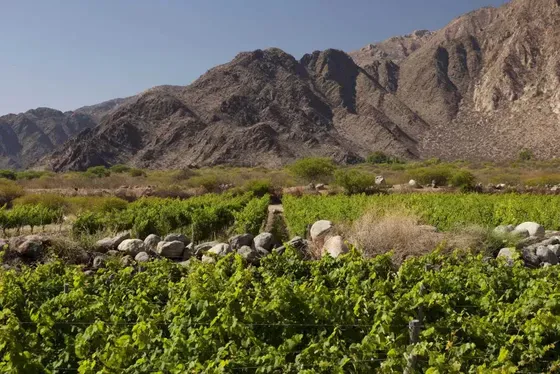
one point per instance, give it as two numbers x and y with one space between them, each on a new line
65 55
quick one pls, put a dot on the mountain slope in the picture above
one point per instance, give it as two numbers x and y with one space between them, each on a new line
482 88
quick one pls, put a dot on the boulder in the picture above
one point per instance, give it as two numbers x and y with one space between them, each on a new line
528 242
239 241
298 243
534 229
127 261
131 246
31 249
555 248
142 257
509 254
265 241
151 242
530 257
111 243
221 249
320 229
173 249
177 237
335 247
99 262
551 241
546 255
412 183
502 230
379 180
320 187
199 249
249 254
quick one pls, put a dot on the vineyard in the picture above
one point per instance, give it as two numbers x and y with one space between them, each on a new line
445 211
200 217
286 316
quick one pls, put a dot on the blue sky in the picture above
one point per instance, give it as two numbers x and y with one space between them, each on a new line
69 53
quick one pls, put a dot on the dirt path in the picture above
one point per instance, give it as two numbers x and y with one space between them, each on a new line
273 212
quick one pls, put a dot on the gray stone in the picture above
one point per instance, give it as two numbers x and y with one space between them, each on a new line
177 237
131 246
221 249
239 241
99 262
520 233
151 242
534 229
379 180
172 250
208 259
528 242
111 243
508 253
502 230
320 229
555 248
265 241
142 257
551 241
127 261
203 247
546 255
31 249
530 257
248 253
335 247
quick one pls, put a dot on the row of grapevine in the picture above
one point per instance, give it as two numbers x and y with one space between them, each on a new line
200 217
286 316
444 211
33 216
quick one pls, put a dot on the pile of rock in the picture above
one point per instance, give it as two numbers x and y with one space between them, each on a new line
325 241
537 247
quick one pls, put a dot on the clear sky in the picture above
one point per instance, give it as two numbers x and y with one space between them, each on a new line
68 53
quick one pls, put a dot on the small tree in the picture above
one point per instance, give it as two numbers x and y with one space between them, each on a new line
313 169
463 179
98 171
354 181
7 174
120 168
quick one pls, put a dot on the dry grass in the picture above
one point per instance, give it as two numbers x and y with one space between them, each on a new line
399 231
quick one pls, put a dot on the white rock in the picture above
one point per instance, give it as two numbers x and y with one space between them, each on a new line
320 229
151 242
142 257
534 229
221 249
412 183
335 247
131 246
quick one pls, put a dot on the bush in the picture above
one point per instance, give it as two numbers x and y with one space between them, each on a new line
32 174
209 182
137 173
354 181
425 175
381 158
313 169
98 172
9 191
119 168
464 180
259 187
525 155
49 200
7 174
88 223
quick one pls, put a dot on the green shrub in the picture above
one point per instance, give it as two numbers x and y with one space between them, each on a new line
464 180
425 175
313 169
49 200
381 158
98 172
259 187
525 155
9 191
7 174
354 181
33 174
137 173
88 223
209 182
119 168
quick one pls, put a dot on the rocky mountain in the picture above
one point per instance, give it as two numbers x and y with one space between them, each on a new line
482 88
27 137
